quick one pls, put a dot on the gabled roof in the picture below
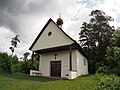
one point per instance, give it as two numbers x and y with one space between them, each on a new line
75 44
50 20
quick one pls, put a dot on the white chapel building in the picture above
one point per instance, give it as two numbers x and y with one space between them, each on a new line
60 55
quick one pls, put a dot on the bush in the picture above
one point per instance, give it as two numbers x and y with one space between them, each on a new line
11 64
103 70
5 62
35 65
110 82
16 68
24 67
111 63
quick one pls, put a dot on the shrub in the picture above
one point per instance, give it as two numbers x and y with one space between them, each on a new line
111 63
24 67
16 68
5 62
103 70
35 65
110 82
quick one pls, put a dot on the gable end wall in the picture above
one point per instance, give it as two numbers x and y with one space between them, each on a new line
57 38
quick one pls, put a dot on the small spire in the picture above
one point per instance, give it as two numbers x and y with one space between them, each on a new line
59 21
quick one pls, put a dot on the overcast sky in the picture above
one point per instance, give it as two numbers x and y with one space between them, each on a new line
27 17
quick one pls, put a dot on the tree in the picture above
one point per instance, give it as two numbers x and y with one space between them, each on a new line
14 43
95 37
26 55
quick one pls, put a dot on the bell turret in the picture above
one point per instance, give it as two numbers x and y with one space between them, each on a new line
59 21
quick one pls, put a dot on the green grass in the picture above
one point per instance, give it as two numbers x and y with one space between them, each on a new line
25 82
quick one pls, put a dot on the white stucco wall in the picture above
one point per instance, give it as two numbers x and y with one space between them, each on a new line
57 38
45 62
74 60
62 56
81 68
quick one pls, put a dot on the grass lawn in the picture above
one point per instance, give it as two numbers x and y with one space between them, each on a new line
25 82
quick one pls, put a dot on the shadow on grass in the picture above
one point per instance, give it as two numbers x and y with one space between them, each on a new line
20 76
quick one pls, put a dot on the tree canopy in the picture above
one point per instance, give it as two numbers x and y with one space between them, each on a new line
95 36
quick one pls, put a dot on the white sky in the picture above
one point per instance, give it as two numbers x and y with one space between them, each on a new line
27 18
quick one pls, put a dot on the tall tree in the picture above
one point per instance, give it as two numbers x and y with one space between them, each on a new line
95 37
14 43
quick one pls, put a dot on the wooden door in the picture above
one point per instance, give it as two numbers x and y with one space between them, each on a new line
56 68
